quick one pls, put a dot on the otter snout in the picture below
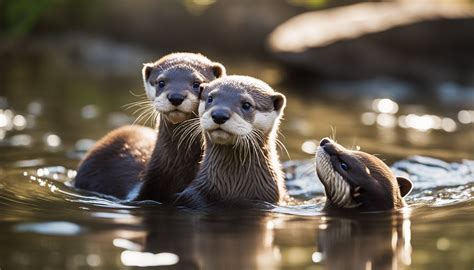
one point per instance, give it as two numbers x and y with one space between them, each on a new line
324 141
330 147
176 98
220 116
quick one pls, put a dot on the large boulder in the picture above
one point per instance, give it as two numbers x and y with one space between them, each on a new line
420 40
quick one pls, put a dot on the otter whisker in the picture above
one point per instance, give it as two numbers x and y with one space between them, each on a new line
140 109
141 116
333 133
238 147
137 104
256 146
193 135
187 131
282 147
137 95
152 118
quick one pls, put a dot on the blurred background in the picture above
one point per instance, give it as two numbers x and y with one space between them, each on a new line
393 77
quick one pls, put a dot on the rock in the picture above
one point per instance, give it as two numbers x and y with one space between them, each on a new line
428 41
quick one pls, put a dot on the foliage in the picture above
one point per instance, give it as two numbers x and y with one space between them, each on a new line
312 4
18 17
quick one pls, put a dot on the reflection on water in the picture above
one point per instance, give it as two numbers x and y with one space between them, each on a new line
383 243
384 116
46 224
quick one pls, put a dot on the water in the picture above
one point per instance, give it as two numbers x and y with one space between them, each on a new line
52 111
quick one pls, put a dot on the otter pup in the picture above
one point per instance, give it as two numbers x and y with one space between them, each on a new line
172 87
239 117
357 181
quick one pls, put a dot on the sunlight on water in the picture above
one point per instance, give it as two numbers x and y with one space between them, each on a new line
50 228
52 140
466 117
46 223
126 244
146 259
384 115
385 105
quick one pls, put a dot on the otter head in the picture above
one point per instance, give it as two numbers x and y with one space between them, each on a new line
355 179
236 107
172 83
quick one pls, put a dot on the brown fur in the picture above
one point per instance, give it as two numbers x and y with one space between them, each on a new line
372 186
235 173
112 166
171 169
196 61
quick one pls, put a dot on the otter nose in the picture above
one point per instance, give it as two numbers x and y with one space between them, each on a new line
324 141
220 116
176 99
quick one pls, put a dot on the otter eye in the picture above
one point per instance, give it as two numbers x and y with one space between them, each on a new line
209 100
344 166
196 85
161 84
246 106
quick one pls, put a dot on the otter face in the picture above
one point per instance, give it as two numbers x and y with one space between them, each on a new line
357 179
237 106
174 92
172 83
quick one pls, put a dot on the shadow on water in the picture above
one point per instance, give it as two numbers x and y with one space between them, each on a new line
51 112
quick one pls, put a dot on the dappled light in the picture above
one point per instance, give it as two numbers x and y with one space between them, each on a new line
393 79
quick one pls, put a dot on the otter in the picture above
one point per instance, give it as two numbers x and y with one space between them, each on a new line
172 88
239 118
356 181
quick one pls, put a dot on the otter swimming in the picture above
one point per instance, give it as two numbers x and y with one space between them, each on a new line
172 86
239 117
357 181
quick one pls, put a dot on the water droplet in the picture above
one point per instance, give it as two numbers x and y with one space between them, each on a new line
126 244
385 105
443 243
386 120
4 121
146 259
90 112
368 118
309 147
21 140
466 117
93 260
448 124
35 108
19 121
50 228
317 257
52 140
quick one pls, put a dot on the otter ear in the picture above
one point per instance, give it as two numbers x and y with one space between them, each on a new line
218 69
279 102
201 88
405 185
146 71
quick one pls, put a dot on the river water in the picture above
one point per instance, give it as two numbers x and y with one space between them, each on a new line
52 111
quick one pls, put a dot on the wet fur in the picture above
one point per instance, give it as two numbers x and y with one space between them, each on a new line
368 184
113 165
163 168
248 169
170 169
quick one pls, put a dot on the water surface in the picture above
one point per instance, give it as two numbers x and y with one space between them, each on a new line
53 111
